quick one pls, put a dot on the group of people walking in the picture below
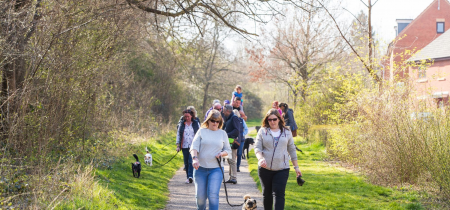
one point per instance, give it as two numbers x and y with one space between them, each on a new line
221 134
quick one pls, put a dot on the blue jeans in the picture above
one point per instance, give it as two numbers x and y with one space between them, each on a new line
239 155
207 185
187 162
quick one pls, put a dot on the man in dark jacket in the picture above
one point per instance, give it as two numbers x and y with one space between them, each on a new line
231 126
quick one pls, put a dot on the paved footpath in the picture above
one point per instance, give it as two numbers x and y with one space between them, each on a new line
182 196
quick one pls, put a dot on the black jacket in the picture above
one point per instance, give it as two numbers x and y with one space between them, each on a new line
180 127
232 127
182 121
289 119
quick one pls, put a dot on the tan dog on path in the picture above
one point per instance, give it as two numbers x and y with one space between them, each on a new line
249 204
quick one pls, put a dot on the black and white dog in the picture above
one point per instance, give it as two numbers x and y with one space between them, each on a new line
148 158
136 167
247 143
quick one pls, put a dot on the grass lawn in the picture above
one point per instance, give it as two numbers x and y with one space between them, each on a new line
253 122
329 187
116 188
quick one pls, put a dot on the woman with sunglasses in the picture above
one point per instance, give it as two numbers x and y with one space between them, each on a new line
274 146
186 132
210 144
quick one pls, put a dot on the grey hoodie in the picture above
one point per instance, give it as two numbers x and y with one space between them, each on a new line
276 158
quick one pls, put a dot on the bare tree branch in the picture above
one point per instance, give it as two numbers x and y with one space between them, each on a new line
353 15
374 3
363 3
371 71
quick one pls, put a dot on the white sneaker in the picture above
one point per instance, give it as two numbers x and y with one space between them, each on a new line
187 181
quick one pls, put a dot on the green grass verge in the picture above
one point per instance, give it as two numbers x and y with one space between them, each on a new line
253 122
116 188
252 133
330 187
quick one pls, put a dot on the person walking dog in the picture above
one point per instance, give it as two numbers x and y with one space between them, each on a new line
233 129
274 144
186 131
209 144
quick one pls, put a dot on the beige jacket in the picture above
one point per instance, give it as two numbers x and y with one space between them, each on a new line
277 158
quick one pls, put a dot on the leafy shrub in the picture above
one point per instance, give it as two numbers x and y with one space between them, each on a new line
396 140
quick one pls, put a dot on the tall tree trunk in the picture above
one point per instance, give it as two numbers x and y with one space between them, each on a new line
3 109
7 98
370 36
16 32
295 96
205 98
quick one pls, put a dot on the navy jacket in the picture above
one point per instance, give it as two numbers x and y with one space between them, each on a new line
289 120
241 130
232 127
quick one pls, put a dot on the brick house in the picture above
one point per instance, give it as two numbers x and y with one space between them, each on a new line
433 82
414 35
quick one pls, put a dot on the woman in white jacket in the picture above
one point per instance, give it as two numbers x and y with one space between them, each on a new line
274 146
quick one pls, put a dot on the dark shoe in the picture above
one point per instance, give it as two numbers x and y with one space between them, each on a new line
238 170
190 180
233 181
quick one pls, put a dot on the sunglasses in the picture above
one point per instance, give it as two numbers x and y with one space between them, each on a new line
273 119
187 111
214 121
218 109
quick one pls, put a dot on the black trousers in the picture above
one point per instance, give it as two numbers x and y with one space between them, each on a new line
273 184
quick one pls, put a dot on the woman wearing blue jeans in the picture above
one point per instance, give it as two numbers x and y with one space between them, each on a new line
187 128
209 144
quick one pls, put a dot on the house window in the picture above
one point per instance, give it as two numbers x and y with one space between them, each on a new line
440 27
422 73
441 103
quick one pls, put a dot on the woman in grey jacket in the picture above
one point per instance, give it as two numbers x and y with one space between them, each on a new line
274 146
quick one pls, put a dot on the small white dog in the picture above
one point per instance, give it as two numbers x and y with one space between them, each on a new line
148 158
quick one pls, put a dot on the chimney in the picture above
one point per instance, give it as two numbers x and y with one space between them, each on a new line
401 24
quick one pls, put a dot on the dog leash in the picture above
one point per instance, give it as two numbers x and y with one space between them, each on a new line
167 161
225 185
169 143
